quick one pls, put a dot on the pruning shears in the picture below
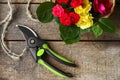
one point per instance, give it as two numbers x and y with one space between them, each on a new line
39 48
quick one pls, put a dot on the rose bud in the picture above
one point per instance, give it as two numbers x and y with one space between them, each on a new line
102 6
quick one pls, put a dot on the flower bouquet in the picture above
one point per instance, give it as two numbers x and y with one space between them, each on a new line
77 16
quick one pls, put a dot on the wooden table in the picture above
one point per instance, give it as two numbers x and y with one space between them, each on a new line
97 59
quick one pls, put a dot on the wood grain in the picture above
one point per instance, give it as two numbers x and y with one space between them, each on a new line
95 60
35 1
48 31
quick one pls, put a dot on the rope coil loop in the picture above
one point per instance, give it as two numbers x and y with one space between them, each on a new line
5 24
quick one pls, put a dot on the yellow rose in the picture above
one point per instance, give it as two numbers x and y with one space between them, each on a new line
85 21
85 17
84 8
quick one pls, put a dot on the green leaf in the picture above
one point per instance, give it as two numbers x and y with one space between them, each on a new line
57 20
97 30
44 12
71 41
85 30
70 34
107 25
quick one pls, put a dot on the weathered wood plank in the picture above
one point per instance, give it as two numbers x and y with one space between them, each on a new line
49 31
96 61
24 1
35 1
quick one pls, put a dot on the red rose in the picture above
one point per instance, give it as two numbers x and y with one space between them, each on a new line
65 19
57 10
67 11
75 3
62 1
74 17
102 6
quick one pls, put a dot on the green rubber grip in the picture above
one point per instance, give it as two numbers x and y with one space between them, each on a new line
54 70
45 46
50 67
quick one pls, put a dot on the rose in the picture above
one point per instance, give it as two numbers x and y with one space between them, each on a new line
75 3
69 18
102 6
74 17
67 11
65 19
84 8
62 1
85 21
57 10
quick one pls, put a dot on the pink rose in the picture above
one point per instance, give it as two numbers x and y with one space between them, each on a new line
102 6
57 10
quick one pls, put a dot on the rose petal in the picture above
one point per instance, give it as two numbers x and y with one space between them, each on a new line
102 7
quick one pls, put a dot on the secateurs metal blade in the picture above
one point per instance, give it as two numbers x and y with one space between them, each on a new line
39 48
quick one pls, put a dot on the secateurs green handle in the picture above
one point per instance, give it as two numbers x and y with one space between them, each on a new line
49 66
39 48
57 56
